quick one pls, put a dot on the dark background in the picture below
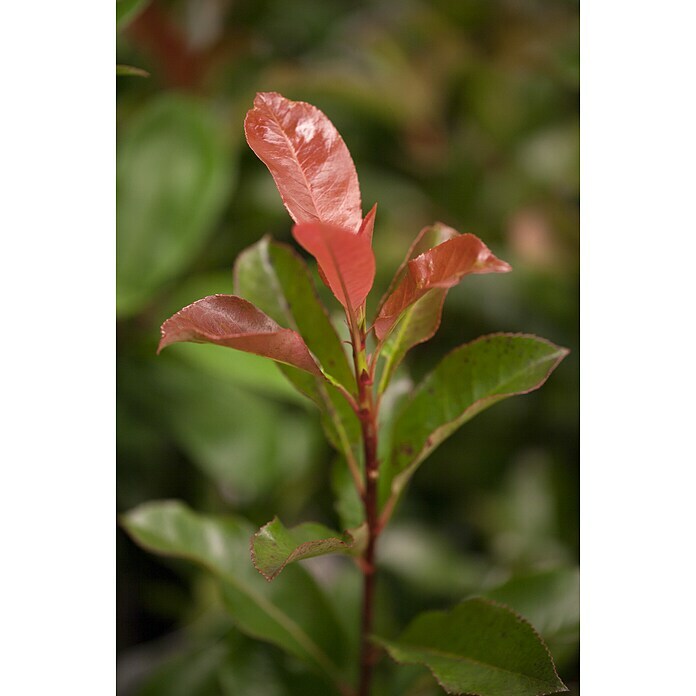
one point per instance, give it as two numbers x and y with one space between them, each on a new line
464 112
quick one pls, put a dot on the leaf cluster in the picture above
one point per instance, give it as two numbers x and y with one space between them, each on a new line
277 313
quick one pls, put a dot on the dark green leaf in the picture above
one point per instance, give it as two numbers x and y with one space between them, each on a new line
479 648
127 10
173 178
274 546
294 614
467 381
132 71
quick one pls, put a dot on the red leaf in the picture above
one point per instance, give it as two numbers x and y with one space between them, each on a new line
227 320
308 159
368 224
443 266
345 259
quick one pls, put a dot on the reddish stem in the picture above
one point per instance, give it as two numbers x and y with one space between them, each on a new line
367 413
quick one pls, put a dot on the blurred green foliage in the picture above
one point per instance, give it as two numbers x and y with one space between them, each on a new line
464 112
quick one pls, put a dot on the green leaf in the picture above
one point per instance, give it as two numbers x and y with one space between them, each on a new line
467 381
417 325
249 371
347 501
550 600
294 615
131 71
274 546
391 402
340 424
173 178
128 10
276 279
252 448
479 648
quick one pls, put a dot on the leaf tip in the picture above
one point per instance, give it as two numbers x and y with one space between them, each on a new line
500 266
166 338
263 98
368 224
262 531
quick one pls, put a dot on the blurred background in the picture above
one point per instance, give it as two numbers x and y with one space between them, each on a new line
461 111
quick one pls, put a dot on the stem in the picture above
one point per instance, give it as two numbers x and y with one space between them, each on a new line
367 653
368 420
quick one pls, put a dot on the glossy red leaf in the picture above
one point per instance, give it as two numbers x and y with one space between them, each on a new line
426 239
368 224
230 321
366 228
308 159
345 259
443 266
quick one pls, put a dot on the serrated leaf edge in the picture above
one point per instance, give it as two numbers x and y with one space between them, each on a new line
321 658
520 619
432 441
352 546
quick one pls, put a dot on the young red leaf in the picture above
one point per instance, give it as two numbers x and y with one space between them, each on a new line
443 266
419 322
345 259
368 224
366 228
308 159
227 320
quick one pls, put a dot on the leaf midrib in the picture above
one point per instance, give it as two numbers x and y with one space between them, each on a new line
553 357
278 615
297 161
404 472
464 658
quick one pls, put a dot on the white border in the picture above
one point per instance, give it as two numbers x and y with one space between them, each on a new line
57 223
638 120
57 220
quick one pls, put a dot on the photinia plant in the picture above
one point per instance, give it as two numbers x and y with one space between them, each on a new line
479 646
